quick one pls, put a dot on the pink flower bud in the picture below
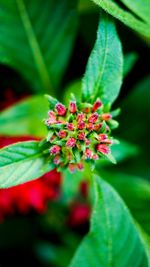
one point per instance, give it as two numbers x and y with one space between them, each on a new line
60 108
56 160
71 142
72 107
88 153
54 149
81 125
90 126
97 127
80 166
87 142
96 105
108 141
102 137
52 118
72 167
102 148
62 134
80 117
93 118
95 157
106 116
81 136
70 126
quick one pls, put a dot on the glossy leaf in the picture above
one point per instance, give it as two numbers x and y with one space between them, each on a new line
25 118
135 191
125 16
140 7
103 76
29 43
22 162
112 241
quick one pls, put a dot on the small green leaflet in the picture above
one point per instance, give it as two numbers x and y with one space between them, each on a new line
113 239
22 162
124 16
104 71
37 39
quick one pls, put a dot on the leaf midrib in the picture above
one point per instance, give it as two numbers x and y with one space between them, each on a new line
97 85
35 49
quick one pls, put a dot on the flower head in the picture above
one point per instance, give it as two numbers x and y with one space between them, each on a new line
78 132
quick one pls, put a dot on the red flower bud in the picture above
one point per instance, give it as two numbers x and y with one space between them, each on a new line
72 107
80 117
87 141
90 126
81 136
97 127
104 149
72 167
96 105
95 157
88 153
81 125
54 149
71 142
62 134
93 118
106 116
80 166
70 126
57 160
60 108
102 137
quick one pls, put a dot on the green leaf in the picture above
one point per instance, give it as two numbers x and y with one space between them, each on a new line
124 16
113 239
25 118
129 62
37 38
140 7
22 162
103 76
135 191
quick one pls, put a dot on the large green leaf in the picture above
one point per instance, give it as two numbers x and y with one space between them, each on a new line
136 193
103 76
36 39
113 239
126 17
25 118
22 162
140 8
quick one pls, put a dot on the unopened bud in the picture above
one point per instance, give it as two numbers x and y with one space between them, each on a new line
70 126
93 118
72 107
81 136
102 137
54 149
60 108
81 125
88 153
71 142
102 148
96 105
106 116
62 134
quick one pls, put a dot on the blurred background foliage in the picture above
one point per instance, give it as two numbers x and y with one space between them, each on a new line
44 49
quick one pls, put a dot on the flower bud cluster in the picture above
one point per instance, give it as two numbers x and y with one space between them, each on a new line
78 133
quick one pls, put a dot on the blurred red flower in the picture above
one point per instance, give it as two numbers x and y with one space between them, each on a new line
32 195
